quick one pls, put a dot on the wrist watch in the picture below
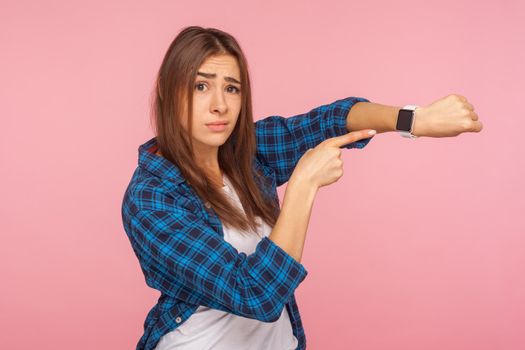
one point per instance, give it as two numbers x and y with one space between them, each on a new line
405 121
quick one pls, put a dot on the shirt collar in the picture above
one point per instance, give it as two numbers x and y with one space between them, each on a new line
157 165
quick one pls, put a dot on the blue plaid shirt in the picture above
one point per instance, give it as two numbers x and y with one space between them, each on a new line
179 242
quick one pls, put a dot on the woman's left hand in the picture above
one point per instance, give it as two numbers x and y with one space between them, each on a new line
448 116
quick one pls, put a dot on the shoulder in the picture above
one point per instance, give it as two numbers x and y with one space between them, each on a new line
147 192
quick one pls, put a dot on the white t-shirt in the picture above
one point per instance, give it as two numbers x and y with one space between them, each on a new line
209 328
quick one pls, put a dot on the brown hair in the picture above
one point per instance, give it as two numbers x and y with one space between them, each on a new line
173 97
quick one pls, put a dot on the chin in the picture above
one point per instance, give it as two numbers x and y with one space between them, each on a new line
216 141
217 144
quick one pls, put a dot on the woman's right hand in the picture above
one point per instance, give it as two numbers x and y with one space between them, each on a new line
322 165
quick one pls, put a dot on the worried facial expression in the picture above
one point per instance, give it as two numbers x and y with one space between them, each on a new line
216 100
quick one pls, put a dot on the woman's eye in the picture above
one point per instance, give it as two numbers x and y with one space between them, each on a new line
200 86
236 90
197 86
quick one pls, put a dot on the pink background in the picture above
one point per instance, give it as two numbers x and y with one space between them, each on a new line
420 245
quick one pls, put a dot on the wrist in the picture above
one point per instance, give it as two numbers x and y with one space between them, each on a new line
301 185
419 122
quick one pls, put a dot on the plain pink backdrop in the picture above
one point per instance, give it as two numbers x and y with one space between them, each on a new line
421 244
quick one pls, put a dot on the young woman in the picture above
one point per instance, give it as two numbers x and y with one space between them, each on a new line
202 211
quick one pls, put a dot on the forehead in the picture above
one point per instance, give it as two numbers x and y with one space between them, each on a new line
221 65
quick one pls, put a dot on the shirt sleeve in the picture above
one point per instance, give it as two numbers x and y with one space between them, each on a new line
281 141
184 257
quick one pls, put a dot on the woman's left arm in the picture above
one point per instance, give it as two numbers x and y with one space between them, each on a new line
448 116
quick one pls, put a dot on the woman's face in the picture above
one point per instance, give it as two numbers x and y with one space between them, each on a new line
216 99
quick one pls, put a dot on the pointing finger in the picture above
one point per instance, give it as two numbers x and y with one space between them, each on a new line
353 136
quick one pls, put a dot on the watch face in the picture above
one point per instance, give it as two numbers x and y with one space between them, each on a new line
404 120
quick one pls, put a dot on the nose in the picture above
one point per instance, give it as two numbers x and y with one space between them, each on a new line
218 103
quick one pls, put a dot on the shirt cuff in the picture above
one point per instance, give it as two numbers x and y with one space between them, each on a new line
276 269
340 120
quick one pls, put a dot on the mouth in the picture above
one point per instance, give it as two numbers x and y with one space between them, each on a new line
217 126
217 123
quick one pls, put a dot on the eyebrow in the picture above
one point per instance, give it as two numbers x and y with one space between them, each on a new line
213 75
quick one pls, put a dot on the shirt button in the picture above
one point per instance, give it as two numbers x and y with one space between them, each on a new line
207 205
178 319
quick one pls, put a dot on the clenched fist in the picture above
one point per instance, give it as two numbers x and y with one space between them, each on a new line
448 116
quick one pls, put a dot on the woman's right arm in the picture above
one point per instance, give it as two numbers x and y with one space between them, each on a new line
319 166
290 229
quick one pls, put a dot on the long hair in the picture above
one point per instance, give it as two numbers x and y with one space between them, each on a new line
173 98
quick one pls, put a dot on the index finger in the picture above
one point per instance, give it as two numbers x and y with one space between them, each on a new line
352 136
